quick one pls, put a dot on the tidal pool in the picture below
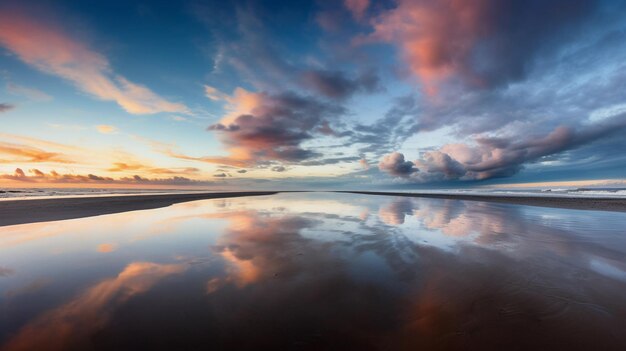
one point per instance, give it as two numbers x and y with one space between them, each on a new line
317 271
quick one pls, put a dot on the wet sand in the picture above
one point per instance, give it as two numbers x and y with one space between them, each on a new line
43 210
317 271
578 203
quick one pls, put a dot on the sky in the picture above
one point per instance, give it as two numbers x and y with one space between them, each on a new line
357 94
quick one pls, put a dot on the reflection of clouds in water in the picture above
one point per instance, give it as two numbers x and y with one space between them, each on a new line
71 325
517 231
5 272
256 245
455 295
30 288
394 213
450 217
438 274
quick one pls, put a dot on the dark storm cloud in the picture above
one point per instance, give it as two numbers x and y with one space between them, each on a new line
277 127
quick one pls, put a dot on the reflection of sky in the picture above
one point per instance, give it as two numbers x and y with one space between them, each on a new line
354 251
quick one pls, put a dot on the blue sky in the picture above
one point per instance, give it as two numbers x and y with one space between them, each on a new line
359 93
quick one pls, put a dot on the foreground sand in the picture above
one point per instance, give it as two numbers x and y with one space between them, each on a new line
578 203
42 210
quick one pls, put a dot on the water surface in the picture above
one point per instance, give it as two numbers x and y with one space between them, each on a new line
317 271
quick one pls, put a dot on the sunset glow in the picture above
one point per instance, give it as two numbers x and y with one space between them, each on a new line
312 95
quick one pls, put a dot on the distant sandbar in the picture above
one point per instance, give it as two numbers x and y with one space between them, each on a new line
43 210
578 203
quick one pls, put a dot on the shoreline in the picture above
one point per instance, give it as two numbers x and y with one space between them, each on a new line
572 203
35 210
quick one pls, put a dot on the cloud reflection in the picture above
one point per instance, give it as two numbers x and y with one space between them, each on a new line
71 325
318 271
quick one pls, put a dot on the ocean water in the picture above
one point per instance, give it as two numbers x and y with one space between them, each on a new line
317 271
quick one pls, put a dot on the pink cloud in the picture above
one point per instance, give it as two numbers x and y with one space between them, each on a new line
50 50
435 37
357 7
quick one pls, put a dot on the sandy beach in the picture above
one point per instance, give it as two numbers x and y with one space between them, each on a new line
42 210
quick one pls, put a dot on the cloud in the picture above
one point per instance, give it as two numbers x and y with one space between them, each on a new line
493 157
50 50
106 129
263 127
178 118
440 164
25 153
134 167
484 42
329 161
4 107
279 169
395 164
382 136
30 93
37 176
357 7
363 162
220 175
265 60
336 85
214 94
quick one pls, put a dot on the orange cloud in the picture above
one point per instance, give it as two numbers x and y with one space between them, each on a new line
50 50
229 161
214 94
28 154
123 167
106 129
